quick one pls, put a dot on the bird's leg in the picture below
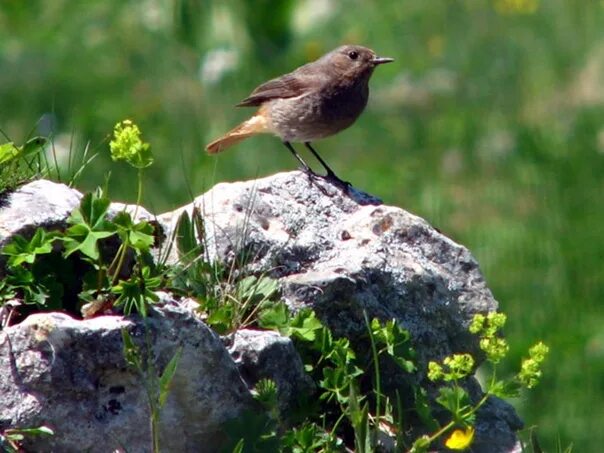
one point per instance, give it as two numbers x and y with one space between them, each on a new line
312 176
305 166
330 173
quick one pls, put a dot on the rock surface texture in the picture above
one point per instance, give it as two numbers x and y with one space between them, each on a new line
72 376
341 253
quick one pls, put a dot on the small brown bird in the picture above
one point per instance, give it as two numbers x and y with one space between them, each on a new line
315 101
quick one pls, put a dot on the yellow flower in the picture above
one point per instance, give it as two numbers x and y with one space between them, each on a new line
459 439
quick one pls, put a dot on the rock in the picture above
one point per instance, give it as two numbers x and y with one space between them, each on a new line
47 204
267 354
496 431
39 203
71 375
342 255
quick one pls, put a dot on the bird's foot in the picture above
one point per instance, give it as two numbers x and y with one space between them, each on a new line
332 178
313 179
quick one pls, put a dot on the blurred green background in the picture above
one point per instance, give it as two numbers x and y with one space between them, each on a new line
490 124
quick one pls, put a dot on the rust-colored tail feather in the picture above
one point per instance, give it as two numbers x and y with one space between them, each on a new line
255 125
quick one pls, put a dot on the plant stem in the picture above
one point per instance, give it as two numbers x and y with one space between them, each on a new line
441 431
376 370
119 257
139 195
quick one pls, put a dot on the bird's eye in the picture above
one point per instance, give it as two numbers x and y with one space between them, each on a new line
353 55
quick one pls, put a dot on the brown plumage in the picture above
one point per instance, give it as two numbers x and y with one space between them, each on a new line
315 101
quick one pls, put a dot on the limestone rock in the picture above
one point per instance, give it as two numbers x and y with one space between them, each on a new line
71 375
343 254
40 203
267 354
47 204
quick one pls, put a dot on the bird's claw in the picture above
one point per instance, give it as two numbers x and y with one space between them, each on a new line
332 178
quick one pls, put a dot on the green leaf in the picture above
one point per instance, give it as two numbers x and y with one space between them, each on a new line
221 319
137 292
239 446
185 237
167 376
336 381
423 409
41 430
395 341
137 235
420 445
305 325
8 151
274 317
504 389
131 352
266 287
92 210
141 238
266 393
359 418
33 146
246 287
456 400
22 251
88 226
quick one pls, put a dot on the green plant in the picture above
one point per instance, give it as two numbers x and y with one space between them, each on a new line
10 439
349 402
157 385
338 372
454 369
18 163
127 145
37 270
28 275
40 272
228 298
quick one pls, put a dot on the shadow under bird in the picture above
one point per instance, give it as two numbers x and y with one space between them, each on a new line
314 101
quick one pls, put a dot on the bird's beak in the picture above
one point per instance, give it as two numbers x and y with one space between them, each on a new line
381 60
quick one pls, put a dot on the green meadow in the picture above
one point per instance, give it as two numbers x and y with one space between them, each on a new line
489 124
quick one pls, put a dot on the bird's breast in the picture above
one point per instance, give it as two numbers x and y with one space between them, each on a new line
317 114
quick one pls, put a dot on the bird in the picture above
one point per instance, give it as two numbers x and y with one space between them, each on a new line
316 100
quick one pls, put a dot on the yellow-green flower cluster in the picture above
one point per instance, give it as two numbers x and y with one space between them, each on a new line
510 7
127 145
488 327
455 367
530 371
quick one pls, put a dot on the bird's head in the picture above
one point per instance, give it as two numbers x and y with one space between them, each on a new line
354 61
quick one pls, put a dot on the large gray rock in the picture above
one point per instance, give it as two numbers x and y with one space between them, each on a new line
342 254
338 252
71 375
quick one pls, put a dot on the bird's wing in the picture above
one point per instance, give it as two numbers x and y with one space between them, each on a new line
286 86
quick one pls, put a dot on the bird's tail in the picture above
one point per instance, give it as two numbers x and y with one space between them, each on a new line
257 124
